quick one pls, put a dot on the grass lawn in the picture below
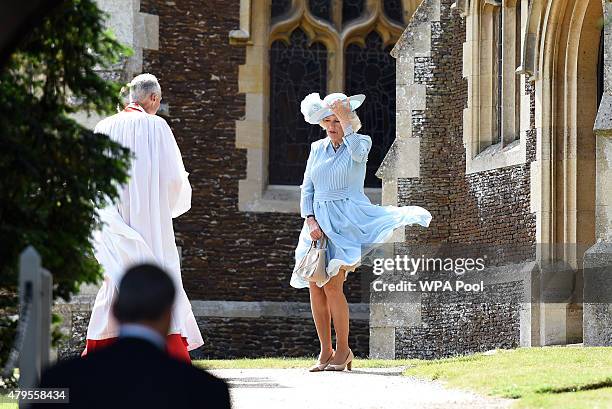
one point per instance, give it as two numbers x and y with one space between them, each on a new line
551 377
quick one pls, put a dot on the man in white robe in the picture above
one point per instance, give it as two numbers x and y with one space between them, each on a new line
138 228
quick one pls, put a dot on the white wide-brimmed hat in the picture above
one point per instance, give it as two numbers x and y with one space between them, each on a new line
314 109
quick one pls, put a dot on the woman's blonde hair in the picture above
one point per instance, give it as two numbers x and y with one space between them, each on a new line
353 119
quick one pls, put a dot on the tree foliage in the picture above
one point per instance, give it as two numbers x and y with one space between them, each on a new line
55 172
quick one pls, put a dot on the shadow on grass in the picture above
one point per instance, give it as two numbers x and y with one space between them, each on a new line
576 388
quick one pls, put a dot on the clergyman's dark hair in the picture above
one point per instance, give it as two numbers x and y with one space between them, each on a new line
146 292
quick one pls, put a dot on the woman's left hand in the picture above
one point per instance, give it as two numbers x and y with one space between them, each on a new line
342 110
315 230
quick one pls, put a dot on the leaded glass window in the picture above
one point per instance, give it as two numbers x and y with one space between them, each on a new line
321 9
280 7
304 48
371 71
296 70
312 49
394 11
351 10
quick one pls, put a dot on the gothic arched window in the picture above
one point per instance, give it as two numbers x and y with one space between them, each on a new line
330 46
295 47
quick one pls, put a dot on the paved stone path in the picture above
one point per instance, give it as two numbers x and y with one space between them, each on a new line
367 388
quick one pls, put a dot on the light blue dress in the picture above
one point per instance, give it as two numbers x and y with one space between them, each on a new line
332 190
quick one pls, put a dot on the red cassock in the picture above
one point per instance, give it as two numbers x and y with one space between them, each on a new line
175 345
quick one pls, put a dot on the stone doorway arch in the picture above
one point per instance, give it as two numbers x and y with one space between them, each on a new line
562 56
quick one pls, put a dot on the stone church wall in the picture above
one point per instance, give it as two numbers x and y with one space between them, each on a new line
485 207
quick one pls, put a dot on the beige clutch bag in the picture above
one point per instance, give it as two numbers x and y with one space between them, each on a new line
312 266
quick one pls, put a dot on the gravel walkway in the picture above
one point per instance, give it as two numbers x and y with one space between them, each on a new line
366 388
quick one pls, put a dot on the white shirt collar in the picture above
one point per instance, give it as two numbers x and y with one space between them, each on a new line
142 332
327 142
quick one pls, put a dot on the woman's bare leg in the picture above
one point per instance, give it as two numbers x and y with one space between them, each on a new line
340 314
322 318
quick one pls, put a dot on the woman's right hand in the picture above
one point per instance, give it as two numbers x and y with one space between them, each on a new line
315 230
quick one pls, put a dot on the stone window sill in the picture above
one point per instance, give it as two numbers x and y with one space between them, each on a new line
494 157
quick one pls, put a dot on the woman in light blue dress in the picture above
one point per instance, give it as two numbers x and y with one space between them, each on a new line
333 202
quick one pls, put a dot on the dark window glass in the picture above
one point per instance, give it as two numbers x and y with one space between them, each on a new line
600 69
351 10
394 11
295 71
321 9
280 7
371 71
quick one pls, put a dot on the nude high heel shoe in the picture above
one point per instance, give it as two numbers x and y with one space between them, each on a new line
348 364
320 366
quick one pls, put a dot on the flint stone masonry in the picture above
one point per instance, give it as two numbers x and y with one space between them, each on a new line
237 329
456 325
269 336
597 295
486 207
74 328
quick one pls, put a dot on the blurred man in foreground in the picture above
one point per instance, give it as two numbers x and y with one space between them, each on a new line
135 371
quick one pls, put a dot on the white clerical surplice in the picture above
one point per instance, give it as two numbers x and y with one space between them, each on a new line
138 228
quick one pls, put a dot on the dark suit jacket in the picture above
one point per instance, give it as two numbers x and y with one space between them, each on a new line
134 373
